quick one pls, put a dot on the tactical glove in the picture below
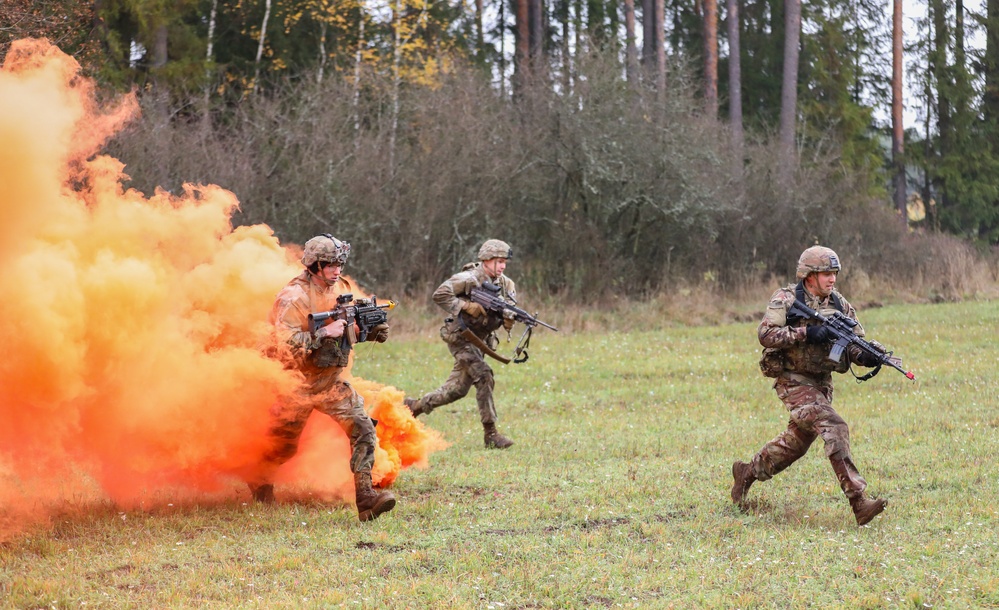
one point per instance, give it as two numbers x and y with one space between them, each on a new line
473 309
868 360
380 333
507 323
817 334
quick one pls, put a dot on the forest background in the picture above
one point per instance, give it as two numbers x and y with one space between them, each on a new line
652 150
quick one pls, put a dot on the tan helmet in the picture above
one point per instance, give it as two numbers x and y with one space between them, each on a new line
816 260
326 249
494 248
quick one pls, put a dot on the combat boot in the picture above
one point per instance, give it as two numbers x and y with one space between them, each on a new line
743 477
865 509
370 503
414 406
263 493
495 440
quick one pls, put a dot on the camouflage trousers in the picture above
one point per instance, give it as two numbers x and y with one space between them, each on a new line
329 396
810 405
470 369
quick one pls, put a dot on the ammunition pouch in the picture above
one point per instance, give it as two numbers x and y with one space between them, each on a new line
330 353
772 362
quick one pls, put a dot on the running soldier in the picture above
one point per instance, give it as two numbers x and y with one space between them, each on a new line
321 358
470 367
796 354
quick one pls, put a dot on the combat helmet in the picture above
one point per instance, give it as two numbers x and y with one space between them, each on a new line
325 249
816 260
494 248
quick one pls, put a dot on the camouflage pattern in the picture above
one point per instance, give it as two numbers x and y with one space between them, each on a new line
816 260
322 389
326 249
798 356
494 248
470 368
805 387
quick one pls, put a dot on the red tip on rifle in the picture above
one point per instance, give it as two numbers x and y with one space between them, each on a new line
910 375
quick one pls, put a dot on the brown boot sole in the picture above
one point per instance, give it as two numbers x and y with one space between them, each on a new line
382 506
868 516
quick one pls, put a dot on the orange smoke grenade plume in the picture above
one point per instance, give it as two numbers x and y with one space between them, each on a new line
134 325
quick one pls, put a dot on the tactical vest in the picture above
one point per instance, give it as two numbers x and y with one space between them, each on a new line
803 357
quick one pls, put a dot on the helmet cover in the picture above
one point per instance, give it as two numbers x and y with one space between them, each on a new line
325 249
494 248
817 259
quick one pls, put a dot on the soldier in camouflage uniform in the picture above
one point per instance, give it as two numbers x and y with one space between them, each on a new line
796 353
321 361
470 367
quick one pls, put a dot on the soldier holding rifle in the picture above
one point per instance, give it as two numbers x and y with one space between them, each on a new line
470 333
309 337
810 331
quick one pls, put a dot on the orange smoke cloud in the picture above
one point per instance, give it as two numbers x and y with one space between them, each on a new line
135 324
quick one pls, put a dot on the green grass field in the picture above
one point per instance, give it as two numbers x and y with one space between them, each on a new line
615 494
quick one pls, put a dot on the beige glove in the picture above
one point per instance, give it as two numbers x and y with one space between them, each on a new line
473 309
380 333
508 323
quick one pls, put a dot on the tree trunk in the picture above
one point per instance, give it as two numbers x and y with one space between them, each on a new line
358 59
711 58
209 55
897 128
522 50
566 52
940 71
630 52
735 88
260 43
323 27
480 39
536 43
789 91
159 50
653 47
660 40
396 64
990 103
577 21
649 34
502 54
927 191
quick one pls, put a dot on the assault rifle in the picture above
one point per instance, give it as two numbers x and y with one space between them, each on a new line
489 296
364 313
841 327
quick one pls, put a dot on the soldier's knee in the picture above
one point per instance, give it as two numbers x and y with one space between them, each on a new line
456 393
485 380
837 439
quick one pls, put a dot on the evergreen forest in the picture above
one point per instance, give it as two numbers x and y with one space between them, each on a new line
622 147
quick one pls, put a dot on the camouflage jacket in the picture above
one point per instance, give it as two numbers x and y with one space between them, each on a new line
788 341
289 316
454 293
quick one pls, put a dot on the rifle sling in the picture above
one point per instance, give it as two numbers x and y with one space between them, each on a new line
799 294
479 343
